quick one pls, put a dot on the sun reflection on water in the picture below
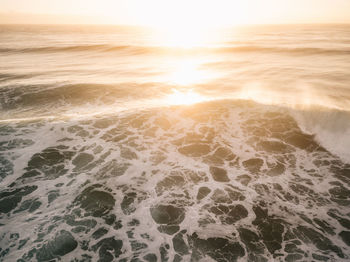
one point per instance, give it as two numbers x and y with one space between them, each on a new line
187 72
184 97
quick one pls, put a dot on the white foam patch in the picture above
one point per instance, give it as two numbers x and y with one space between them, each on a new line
149 143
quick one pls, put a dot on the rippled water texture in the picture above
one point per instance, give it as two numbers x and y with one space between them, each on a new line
117 144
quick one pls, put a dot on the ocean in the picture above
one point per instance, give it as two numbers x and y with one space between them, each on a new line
122 143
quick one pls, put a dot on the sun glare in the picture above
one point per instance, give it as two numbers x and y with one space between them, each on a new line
186 72
184 98
184 36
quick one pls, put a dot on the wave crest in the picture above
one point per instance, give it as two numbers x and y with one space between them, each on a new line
134 49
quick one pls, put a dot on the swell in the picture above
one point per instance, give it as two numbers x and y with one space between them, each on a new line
297 50
14 76
78 48
73 94
133 49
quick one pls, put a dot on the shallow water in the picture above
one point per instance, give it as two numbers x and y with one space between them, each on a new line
116 146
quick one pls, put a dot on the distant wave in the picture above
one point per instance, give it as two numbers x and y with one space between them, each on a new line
78 48
297 50
74 94
6 77
133 49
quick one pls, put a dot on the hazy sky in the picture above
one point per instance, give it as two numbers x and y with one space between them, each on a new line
167 12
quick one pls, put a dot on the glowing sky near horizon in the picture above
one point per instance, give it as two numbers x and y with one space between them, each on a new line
192 12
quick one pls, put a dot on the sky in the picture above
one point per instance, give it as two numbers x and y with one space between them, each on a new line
204 13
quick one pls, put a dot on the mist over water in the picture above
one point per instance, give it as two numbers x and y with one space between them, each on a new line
130 144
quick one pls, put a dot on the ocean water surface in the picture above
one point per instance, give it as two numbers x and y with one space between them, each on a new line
131 144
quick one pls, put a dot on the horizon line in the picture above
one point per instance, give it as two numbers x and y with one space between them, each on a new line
150 26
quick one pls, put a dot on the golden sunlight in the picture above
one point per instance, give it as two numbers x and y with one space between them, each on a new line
198 14
165 13
184 36
184 98
186 72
